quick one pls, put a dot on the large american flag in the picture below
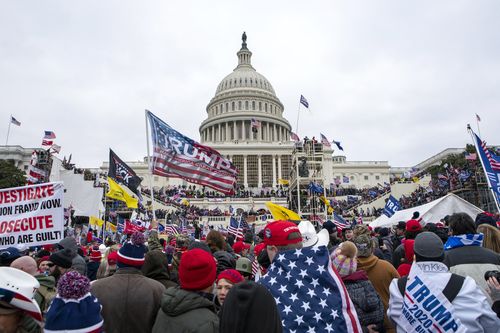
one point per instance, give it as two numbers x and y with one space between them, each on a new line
340 222
492 158
176 155
172 230
309 293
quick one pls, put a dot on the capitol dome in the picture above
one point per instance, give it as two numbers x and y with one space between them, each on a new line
245 107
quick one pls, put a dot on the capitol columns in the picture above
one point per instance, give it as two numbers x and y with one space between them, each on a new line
235 137
259 164
245 171
274 171
279 167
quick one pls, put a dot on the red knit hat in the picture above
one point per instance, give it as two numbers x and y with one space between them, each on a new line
112 258
197 270
276 233
258 249
413 225
239 246
230 275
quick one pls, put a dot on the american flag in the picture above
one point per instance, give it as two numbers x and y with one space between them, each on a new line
255 267
235 228
294 137
47 142
255 123
316 218
172 230
177 156
471 156
49 135
325 141
340 222
492 158
15 121
309 293
120 226
304 101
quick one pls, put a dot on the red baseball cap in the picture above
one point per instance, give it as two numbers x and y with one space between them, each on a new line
413 225
276 233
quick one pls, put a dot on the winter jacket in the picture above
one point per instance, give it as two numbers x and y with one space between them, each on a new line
155 265
380 273
78 263
398 255
130 301
92 268
470 305
225 260
368 305
473 261
46 292
185 311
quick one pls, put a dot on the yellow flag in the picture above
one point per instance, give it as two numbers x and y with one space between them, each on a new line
415 179
95 221
118 193
283 181
282 213
110 227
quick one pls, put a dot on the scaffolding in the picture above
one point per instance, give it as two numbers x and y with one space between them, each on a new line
307 170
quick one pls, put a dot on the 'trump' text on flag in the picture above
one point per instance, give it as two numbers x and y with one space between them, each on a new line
176 155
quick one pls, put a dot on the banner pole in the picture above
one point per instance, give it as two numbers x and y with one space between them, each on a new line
297 124
484 169
151 194
8 131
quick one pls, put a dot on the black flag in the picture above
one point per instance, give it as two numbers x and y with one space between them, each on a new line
122 173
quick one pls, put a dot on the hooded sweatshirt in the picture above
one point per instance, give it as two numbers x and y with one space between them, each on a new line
186 311
380 273
78 263
249 307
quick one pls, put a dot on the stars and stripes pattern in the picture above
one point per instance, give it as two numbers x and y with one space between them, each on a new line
49 135
325 141
294 137
235 228
47 142
177 156
172 230
340 222
491 166
492 158
304 101
309 293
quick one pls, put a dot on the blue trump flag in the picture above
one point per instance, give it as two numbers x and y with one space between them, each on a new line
491 166
309 292
315 188
392 206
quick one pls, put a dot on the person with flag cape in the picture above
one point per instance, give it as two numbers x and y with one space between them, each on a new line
309 293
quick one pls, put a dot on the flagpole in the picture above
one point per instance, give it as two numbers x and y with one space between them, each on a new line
151 194
477 123
484 169
8 131
297 124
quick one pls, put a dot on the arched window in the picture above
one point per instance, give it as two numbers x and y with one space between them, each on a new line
265 107
227 107
253 105
216 110
232 106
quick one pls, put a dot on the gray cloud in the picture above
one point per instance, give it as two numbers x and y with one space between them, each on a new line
392 80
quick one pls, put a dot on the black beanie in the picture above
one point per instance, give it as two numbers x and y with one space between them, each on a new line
62 258
249 307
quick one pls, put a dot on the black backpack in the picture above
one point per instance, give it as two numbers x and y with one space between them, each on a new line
450 291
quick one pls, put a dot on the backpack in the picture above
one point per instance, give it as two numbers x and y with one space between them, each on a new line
450 291
44 296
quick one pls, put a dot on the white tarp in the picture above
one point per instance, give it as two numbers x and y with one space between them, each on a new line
433 211
81 195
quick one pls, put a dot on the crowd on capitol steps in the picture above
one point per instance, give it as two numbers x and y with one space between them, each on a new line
285 277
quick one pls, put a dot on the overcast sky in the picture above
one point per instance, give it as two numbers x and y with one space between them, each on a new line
392 80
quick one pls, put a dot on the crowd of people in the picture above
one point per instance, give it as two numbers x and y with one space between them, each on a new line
213 282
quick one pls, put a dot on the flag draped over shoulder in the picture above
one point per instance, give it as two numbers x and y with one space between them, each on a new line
118 193
122 173
309 294
176 155
282 213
